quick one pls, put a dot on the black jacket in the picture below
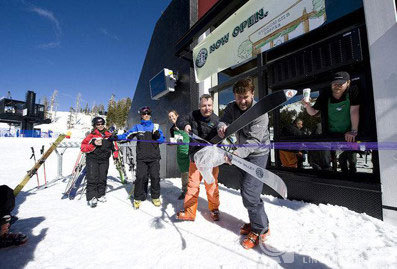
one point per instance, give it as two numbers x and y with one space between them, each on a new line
99 153
147 146
203 127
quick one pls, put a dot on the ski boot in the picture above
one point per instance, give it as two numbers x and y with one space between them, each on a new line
137 203
156 202
93 202
182 215
11 239
215 215
102 199
252 239
245 229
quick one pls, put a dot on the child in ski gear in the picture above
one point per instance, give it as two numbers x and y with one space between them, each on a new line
255 133
182 152
341 107
202 122
98 149
7 204
149 136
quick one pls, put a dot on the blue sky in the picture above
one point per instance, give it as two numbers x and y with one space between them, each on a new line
95 47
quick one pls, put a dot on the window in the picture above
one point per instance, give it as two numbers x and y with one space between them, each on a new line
9 109
301 143
226 96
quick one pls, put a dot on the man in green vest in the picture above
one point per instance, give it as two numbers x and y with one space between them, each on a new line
341 107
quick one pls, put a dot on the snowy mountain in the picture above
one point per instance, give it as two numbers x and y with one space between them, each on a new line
81 124
69 234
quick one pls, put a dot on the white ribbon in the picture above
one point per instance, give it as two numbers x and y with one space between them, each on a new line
206 159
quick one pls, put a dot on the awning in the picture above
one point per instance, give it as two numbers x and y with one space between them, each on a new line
216 15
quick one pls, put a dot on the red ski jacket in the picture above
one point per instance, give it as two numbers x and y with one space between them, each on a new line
99 152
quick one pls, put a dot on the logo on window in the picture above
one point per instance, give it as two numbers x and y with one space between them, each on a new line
201 57
290 93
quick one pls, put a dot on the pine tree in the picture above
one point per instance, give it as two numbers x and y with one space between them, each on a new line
126 109
94 110
101 109
86 109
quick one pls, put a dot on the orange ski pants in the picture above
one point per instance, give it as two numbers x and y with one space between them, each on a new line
193 189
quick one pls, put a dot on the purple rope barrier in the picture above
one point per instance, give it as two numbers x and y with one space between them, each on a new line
346 146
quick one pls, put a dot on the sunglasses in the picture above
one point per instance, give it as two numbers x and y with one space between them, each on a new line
145 113
99 124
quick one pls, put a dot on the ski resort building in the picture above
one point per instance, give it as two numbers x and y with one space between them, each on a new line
205 46
23 115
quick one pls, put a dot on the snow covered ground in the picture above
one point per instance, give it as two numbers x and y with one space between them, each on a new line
69 234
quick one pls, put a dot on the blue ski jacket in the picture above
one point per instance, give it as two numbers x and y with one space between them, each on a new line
149 136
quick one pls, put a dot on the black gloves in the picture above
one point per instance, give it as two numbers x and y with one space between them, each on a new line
113 137
130 136
156 135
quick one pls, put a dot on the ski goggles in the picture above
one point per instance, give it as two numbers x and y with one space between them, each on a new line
145 110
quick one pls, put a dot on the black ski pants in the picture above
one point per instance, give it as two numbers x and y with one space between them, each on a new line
144 169
251 190
97 172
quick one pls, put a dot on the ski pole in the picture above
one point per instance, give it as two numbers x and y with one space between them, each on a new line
34 158
45 176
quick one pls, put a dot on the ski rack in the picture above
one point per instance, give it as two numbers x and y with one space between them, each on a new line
68 145
64 146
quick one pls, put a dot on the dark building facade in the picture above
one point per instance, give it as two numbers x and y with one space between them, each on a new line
173 23
339 41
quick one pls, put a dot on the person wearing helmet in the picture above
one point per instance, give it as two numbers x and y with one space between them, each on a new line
148 136
98 148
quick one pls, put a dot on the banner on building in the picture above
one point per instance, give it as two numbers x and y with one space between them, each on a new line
256 27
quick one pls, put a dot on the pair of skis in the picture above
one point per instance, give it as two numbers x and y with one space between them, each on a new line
120 166
265 105
77 177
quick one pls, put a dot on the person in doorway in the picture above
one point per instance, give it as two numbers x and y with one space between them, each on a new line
182 152
341 105
319 159
202 122
149 136
255 133
7 204
292 158
98 148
